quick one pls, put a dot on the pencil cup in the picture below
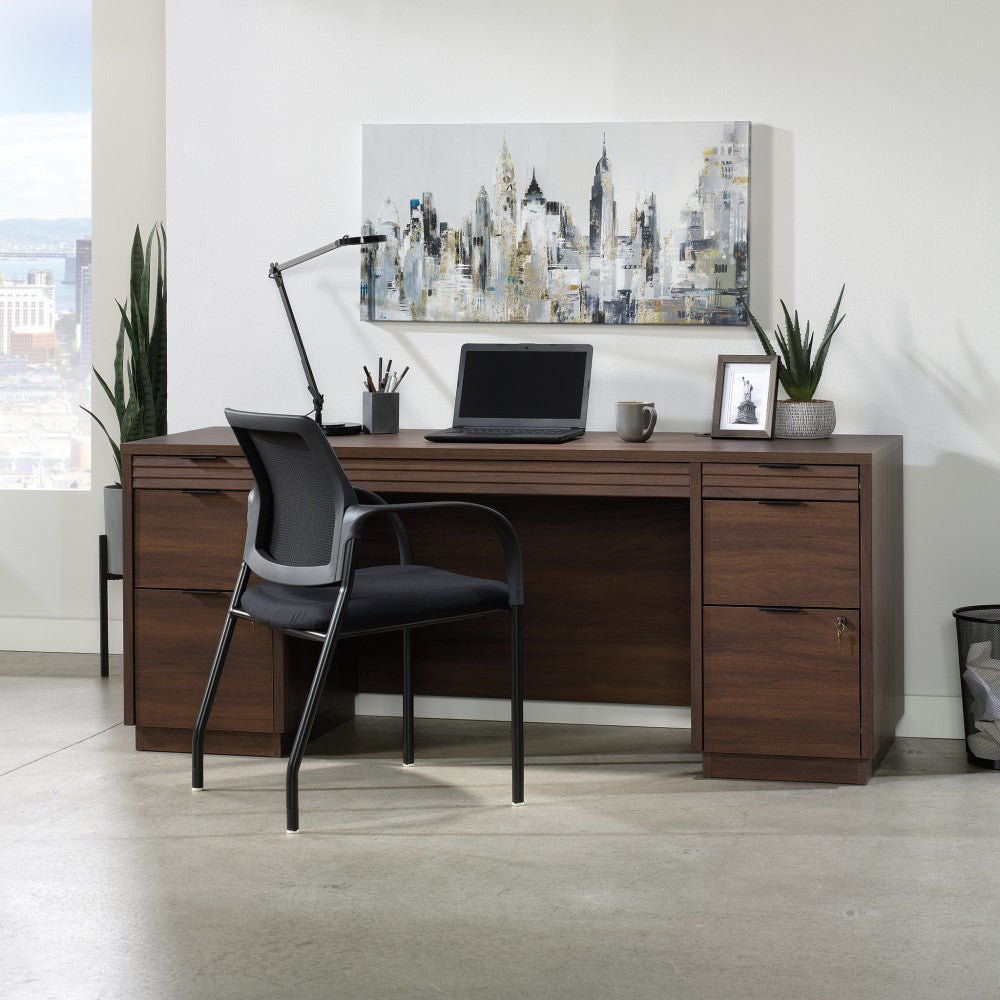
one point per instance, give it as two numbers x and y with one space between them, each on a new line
380 412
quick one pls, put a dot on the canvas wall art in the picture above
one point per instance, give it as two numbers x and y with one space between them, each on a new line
559 223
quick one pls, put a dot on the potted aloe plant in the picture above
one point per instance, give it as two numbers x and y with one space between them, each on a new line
801 415
139 389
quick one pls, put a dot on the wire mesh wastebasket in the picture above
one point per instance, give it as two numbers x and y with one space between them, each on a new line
979 662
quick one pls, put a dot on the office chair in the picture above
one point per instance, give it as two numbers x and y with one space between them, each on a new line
304 525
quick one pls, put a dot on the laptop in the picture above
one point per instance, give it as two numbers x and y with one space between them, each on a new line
520 393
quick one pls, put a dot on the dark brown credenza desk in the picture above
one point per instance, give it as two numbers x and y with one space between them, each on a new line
759 582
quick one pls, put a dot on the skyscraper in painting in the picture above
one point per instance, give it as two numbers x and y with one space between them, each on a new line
515 254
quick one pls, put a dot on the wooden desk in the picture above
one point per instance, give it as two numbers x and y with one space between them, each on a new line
678 571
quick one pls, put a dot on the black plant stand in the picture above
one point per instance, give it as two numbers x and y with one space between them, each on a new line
103 577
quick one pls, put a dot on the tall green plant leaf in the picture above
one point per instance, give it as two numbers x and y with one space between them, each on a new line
114 446
761 336
139 397
119 397
139 392
158 337
140 373
798 363
108 392
138 297
132 408
831 328
798 371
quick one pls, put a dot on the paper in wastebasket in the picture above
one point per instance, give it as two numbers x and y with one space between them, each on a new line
979 651
990 730
981 745
982 681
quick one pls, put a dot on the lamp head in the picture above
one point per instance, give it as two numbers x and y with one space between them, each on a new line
350 241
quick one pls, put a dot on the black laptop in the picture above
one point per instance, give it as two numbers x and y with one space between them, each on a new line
521 393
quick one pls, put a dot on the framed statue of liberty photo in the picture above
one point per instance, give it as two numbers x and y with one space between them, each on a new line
746 388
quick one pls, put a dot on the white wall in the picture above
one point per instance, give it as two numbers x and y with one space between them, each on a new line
873 163
48 540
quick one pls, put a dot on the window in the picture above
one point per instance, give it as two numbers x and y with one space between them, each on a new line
45 80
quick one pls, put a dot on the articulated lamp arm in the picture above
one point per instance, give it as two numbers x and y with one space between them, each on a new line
275 273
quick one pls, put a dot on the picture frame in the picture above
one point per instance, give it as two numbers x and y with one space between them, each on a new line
746 388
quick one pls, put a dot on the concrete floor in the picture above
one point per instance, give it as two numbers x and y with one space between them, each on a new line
625 874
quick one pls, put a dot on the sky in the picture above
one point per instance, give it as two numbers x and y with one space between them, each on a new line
45 82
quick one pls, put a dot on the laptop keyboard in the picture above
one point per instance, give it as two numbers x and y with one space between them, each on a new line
507 431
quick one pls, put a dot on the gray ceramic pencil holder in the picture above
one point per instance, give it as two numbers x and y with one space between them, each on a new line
380 412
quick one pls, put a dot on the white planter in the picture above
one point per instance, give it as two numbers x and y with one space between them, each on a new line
113 527
815 418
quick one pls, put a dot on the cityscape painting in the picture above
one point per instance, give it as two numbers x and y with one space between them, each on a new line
558 223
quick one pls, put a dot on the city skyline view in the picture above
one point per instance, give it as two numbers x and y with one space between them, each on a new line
584 223
45 249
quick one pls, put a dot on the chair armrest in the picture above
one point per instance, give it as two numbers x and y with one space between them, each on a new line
402 538
355 519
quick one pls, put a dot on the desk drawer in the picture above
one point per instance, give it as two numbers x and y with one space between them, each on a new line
175 639
798 553
494 477
222 472
781 684
188 538
780 480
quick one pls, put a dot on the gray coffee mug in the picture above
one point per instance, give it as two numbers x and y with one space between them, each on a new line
635 420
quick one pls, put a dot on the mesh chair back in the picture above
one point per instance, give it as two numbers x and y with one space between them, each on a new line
295 514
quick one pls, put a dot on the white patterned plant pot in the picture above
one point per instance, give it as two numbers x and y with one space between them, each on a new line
815 418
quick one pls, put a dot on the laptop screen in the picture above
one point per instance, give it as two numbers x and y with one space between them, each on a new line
536 385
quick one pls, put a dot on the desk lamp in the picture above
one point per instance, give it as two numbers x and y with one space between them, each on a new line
275 273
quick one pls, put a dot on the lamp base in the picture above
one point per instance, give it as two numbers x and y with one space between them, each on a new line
340 430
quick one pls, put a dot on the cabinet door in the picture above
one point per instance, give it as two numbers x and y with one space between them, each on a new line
805 554
781 683
175 639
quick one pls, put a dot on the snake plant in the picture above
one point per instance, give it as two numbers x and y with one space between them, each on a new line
798 372
139 396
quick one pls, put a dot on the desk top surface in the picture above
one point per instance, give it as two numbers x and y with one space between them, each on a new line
594 445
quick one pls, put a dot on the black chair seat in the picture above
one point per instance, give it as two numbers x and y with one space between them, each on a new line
383 597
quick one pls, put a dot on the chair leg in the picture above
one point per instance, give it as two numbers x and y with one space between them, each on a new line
517 704
198 734
407 698
309 713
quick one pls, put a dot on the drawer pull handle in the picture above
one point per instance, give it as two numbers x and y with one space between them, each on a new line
781 609
202 591
781 503
779 465
204 458
201 493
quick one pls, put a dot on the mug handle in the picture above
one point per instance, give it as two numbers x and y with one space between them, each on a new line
648 413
